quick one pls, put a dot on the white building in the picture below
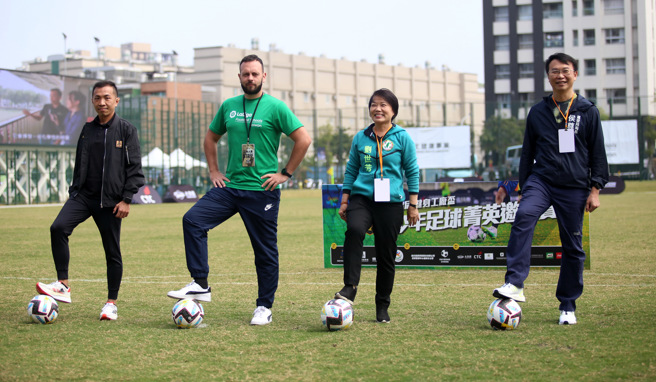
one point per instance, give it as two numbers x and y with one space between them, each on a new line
613 40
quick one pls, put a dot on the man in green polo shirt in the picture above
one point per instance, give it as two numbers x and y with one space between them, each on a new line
253 123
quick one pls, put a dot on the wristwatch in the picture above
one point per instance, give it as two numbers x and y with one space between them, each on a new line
127 200
284 172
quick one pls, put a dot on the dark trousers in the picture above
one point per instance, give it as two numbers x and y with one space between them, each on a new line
386 219
259 212
569 205
74 212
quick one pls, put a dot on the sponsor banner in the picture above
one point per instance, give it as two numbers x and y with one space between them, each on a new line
180 194
147 195
447 145
459 225
615 185
621 141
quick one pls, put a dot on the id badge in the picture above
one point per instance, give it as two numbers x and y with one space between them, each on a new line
566 140
381 190
248 155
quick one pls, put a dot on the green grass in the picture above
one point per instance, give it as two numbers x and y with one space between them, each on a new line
438 330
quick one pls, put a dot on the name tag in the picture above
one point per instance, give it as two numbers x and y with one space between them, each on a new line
566 140
248 155
381 190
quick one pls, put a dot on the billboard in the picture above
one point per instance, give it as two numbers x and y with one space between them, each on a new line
442 147
621 140
442 238
43 109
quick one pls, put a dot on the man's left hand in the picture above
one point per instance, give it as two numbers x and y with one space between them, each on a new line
273 181
121 210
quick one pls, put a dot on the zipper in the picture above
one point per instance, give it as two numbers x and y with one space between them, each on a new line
127 153
102 183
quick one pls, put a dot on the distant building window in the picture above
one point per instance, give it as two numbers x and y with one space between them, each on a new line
590 67
525 12
591 94
575 37
525 99
615 66
614 35
552 10
613 7
503 101
616 96
553 39
588 8
525 41
500 13
526 71
501 42
575 8
588 37
501 72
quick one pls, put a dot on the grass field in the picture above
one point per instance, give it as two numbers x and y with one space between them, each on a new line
438 330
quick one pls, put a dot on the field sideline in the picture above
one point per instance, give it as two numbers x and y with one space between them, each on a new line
438 330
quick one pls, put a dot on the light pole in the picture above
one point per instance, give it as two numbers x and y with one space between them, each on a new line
65 69
97 40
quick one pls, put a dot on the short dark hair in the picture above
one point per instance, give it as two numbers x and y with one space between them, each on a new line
56 90
78 96
562 57
251 58
389 97
102 84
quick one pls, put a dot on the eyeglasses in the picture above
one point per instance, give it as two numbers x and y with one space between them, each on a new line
565 72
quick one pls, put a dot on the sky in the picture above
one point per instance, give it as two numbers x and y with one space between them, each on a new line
406 32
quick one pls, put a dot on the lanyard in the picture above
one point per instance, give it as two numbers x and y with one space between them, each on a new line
248 127
379 145
568 107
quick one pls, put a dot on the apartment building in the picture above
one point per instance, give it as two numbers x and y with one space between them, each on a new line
614 41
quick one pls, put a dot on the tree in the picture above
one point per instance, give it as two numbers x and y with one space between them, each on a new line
649 134
498 134
335 143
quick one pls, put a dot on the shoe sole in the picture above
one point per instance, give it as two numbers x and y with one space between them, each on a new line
56 296
497 294
383 321
260 324
206 297
340 297
105 317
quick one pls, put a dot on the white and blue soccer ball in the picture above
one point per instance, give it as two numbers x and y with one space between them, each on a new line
504 314
43 309
476 234
187 313
337 314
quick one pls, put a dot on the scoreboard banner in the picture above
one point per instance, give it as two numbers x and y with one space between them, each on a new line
460 225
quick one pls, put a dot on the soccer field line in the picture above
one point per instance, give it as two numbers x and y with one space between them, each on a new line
130 280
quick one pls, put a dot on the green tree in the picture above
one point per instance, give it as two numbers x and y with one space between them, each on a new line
649 134
336 144
498 134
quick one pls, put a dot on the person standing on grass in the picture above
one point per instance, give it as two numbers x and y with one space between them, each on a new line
381 156
563 164
253 123
107 173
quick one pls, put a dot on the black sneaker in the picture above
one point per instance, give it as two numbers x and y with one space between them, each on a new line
382 316
347 294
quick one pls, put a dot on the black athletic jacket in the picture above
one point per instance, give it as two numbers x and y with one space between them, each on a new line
585 167
122 173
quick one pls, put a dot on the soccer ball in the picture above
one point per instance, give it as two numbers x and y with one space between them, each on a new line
504 314
337 314
43 309
187 313
476 234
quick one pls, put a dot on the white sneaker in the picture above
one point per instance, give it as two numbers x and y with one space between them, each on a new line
261 316
109 312
193 291
567 318
56 290
510 291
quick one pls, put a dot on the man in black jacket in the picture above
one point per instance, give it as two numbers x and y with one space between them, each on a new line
563 164
107 173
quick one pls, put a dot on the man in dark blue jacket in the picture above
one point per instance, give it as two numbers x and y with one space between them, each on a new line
563 164
107 173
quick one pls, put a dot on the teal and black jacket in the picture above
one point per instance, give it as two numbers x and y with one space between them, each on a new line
399 161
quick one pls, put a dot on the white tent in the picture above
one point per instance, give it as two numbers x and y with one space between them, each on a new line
155 158
181 159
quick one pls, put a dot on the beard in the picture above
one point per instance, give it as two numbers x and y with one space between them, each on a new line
255 90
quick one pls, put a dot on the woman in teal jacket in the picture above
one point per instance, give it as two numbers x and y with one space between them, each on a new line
381 156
